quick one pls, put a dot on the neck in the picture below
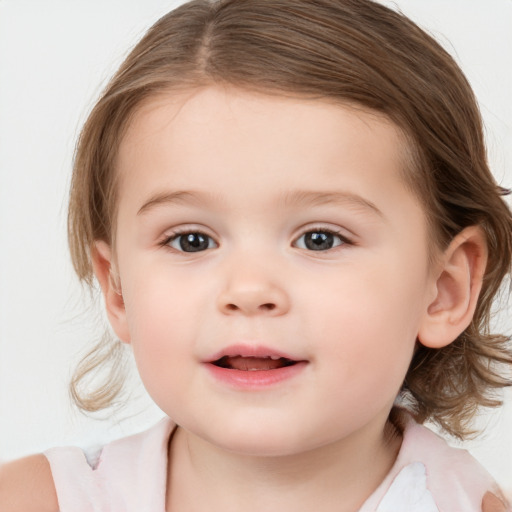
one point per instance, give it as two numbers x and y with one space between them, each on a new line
336 477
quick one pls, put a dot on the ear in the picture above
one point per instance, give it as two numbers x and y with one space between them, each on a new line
110 284
457 285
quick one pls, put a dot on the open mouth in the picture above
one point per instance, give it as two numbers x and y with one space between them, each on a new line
253 364
254 368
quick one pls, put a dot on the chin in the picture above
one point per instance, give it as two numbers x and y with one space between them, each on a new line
261 442
278 447
261 448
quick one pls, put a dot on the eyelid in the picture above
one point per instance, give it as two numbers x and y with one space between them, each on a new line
337 231
173 233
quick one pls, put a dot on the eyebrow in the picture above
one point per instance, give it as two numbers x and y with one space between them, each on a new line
296 198
178 197
314 198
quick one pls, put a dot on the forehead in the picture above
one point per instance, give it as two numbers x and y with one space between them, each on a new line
250 135
261 162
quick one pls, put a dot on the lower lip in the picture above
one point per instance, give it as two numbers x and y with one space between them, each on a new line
255 379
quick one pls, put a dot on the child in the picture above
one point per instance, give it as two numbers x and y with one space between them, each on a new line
288 208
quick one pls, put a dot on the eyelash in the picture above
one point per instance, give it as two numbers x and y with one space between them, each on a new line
177 234
343 240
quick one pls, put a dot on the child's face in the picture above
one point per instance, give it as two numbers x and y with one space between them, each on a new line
298 239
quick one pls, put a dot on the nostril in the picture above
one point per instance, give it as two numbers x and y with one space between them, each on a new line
267 307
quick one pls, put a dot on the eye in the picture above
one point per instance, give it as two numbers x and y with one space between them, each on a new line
193 241
320 240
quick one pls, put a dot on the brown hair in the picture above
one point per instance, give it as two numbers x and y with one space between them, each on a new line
350 51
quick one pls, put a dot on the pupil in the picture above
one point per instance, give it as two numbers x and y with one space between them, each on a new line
193 242
319 241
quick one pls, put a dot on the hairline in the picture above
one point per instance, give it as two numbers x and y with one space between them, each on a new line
410 158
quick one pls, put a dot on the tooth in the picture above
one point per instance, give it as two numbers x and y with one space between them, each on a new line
274 358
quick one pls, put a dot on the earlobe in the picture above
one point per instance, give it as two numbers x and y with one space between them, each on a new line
106 274
458 283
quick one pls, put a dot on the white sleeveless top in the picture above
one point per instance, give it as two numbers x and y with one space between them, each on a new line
131 474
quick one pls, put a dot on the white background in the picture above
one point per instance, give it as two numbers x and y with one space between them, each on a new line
55 56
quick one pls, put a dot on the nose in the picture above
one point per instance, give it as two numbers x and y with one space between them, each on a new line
253 292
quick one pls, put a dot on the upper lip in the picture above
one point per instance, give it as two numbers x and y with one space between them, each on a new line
242 350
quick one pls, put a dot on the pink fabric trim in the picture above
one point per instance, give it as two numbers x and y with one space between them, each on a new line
457 481
130 476
131 473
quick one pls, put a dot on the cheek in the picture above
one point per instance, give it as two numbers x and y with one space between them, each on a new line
162 319
368 323
157 300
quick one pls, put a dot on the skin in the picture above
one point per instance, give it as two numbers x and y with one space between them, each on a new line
319 441
353 312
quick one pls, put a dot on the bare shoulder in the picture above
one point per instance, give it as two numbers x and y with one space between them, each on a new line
26 485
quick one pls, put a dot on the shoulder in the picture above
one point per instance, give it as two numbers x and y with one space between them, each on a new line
452 475
26 485
430 475
119 475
